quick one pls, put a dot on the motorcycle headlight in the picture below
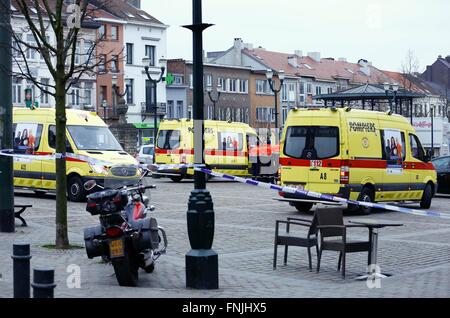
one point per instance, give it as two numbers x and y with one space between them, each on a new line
99 169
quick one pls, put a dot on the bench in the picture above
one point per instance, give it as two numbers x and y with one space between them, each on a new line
17 214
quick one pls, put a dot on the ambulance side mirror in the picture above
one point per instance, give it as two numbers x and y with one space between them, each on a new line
428 156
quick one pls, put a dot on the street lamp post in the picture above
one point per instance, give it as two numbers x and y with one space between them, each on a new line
146 62
214 100
269 75
388 88
432 130
202 262
105 106
6 139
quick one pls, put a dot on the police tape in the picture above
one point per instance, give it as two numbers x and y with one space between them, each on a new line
17 157
201 168
327 197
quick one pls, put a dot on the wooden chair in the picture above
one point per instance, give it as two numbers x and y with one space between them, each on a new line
333 237
287 239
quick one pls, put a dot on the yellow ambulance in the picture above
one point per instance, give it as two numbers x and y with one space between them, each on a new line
87 135
355 154
227 147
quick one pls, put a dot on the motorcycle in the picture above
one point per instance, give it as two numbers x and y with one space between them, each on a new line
126 237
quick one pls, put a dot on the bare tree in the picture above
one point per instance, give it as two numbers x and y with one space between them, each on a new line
410 66
65 22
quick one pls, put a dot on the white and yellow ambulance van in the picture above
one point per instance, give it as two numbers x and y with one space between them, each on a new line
87 135
355 154
227 147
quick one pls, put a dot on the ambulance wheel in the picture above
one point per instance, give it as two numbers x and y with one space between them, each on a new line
425 202
303 207
366 195
176 179
75 189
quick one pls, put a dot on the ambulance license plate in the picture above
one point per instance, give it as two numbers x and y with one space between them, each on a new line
116 248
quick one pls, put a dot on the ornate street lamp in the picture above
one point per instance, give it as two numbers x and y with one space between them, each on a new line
105 106
146 63
202 262
388 88
269 75
214 100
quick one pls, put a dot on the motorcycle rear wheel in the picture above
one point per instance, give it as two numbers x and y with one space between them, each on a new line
126 270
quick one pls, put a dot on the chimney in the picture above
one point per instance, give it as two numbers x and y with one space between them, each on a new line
342 59
315 56
238 43
292 61
365 66
298 53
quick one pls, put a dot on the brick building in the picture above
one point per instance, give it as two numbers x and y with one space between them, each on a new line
231 81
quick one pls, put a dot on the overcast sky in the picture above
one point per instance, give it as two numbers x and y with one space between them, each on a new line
380 31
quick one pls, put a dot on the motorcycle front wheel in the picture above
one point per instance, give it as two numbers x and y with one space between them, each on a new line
126 270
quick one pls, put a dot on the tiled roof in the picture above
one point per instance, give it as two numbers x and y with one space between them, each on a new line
122 9
416 83
327 69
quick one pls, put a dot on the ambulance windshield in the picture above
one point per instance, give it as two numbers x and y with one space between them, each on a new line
94 138
312 142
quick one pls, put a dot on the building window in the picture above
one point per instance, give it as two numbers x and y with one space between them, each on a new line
308 88
78 53
233 85
302 88
74 98
189 111
265 114
115 64
260 86
87 98
31 53
103 94
209 80
191 81
114 33
330 90
178 80
102 63
222 83
30 85
170 109
17 91
102 32
180 112
243 86
44 95
130 47
318 90
150 53
88 53
129 86
284 95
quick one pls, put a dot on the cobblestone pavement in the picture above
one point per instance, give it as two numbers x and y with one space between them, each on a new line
417 254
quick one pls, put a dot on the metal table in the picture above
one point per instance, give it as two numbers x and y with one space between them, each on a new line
373 226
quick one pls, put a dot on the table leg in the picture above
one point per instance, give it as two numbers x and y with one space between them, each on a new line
373 259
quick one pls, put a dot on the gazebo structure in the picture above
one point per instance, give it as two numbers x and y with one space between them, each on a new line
369 96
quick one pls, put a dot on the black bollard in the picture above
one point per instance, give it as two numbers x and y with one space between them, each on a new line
43 283
21 270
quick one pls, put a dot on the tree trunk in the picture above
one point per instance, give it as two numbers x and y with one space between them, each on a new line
62 238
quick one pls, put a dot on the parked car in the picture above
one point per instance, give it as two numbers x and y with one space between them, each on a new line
442 165
145 154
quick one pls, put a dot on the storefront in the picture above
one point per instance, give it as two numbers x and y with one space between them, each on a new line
145 133
424 128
